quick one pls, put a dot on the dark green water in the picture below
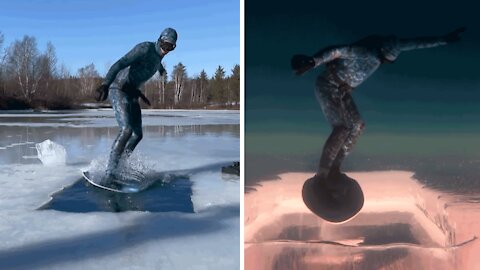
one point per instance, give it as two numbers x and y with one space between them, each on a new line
438 141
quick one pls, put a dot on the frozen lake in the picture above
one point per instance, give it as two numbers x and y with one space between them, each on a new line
190 220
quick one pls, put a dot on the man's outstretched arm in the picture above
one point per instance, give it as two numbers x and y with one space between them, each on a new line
430 42
302 63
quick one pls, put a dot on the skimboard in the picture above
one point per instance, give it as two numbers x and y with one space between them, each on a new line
114 185
331 205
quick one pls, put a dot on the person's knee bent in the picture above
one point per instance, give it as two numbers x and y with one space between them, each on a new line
126 133
357 127
341 131
137 136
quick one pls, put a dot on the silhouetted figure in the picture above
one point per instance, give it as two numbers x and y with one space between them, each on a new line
347 66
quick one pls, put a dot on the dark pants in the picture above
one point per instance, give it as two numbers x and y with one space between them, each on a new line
129 119
342 114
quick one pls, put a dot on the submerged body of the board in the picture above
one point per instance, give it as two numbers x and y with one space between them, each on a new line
321 200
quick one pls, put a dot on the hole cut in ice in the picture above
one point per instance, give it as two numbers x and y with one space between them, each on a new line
164 191
169 192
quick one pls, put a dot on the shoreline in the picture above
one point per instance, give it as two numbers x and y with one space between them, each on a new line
16 104
109 109
399 215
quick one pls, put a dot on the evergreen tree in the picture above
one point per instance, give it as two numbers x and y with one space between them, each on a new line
234 82
218 87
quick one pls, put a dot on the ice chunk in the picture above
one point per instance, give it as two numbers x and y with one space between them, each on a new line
51 153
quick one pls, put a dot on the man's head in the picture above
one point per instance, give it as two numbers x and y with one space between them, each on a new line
167 41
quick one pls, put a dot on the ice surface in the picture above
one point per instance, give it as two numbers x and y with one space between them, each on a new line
106 118
49 239
51 153
208 184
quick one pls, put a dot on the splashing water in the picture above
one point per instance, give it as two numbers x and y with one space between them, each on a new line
134 168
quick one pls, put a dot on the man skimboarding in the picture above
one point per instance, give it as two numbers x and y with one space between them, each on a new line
122 84
347 66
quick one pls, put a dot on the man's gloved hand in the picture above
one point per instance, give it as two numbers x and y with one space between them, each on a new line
163 72
454 36
302 63
101 93
134 92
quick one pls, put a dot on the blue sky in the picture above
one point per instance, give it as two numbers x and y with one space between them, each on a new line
101 31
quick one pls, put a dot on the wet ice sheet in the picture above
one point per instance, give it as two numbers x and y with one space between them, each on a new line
17 143
106 118
207 239
166 193
48 239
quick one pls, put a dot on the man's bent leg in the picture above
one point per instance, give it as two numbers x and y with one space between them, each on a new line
117 149
136 124
330 98
121 105
353 121
332 147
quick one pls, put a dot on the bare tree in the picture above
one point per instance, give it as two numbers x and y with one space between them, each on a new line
2 65
1 40
46 66
88 76
198 85
160 84
203 81
2 53
51 59
163 87
193 90
23 61
179 76
65 78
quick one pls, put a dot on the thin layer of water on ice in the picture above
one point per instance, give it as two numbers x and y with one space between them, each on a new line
51 239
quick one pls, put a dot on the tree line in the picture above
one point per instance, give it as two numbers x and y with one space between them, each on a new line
33 79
